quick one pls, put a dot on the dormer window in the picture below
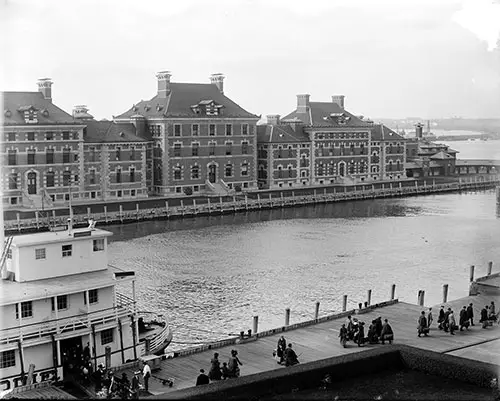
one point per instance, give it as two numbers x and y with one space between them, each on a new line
30 114
209 107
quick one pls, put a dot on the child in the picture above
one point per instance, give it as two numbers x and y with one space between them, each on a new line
225 371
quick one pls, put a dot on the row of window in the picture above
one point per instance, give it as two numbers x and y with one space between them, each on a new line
341 135
211 149
48 136
49 179
195 171
212 129
49 156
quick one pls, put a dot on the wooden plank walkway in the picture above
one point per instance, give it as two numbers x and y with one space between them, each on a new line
42 393
321 341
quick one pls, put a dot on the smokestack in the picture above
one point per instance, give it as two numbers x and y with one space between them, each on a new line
303 103
163 83
218 80
419 128
273 119
45 87
339 100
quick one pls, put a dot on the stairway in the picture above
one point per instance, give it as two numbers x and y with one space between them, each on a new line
37 201
218 188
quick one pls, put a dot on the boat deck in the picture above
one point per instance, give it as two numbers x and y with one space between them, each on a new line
320 341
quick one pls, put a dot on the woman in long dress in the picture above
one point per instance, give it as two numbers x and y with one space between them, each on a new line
280 351
234 363
215 372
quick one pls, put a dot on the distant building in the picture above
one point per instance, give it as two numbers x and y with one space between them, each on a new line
202 140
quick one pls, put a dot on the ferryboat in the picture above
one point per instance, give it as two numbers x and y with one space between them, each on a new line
58 294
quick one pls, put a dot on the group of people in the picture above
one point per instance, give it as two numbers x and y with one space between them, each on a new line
107 385
228 370
377 332
285 355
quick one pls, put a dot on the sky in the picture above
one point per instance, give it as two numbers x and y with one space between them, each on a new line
390 58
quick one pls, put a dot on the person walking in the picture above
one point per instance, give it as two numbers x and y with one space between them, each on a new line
446 322
134 386
202 378
430 319
215 373
493 315
451 322
361 334
470 314
484 317
387 333
378 326
441 318
124 387
233 364
422 324
290 356
280 350
146 374
463 322
343 334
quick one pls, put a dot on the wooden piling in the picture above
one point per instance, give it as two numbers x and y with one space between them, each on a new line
287 317
258 201
246 201
194 206
166 207
209 206
316 311
121 212
393 292
88 213
369 297
255 324
445 293
182 207
472 273
221 207
490 267
344 303
36 220
106 213
137 211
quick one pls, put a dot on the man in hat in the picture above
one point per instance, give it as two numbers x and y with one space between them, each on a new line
134 386
146 374
441 318
470 314
202 378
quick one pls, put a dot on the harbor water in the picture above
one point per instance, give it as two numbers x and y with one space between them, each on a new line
209 276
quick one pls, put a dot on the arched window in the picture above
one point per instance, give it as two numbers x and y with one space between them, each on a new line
50 179
195 172
66 178
177 173
228 170
351 167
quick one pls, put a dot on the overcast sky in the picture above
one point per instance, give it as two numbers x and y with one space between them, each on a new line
426 58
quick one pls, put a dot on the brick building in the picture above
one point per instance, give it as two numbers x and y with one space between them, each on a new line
387 154
203 142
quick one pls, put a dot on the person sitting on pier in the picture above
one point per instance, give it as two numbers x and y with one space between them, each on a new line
422 325
290 356
387 333
441 318
470 314
430 319
463 321
484 317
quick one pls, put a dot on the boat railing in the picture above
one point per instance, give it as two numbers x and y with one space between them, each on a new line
40 330
125 301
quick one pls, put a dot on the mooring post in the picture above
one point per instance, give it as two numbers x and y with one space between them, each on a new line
258 200
255 324
316 311
36 220
121 212
393 292
246 201
194 206
472 273
166 207
88 213
209 205
344 303
221 207
490 267
106 213
287 317
445 293
137 211
369 297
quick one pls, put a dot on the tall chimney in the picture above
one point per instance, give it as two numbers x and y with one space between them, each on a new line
338 99
218 80
163 83
45 87
273 119
419 129
303 103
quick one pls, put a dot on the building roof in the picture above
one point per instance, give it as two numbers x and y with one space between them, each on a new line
110 131
326 114
16 103
56 236
476 162
13 291
180 100
280 134
380 132
441 156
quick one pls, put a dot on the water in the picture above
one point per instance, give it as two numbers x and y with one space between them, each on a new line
210 275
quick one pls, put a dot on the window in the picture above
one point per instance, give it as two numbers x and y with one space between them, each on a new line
92 177
40 253
177 150
26 310
119 194
12 157
93 296
92 154
195 129
62 302
66 155
106 336
229 129
195 172
211 149
67 250
31 156
194 149
11 137
132 174
244 148
132 153
244 129
244 169
177 173
118 175
50 179
229 148
49 136
212 130
7 359
98 245
49 156
66 178
65 136
228 170
31 136
13 181
177 130
118 153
